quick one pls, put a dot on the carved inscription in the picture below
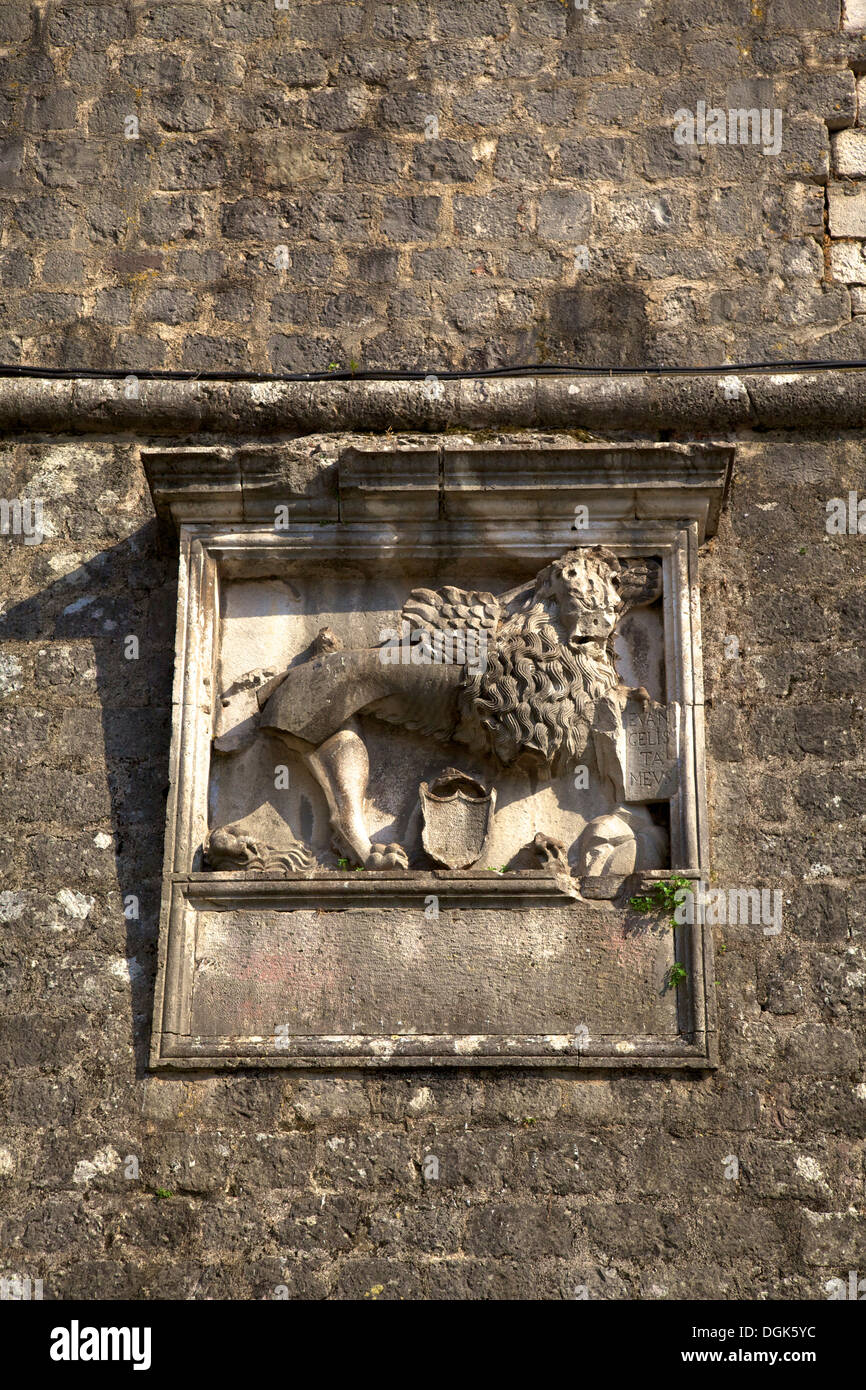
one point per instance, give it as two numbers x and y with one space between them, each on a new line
651 767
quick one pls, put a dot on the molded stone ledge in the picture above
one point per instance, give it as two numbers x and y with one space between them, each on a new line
461 479
389 889
227 483
834 399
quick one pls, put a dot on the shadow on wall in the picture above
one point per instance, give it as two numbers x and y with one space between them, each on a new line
604 324
85 621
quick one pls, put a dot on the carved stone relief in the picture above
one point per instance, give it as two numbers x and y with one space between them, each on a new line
425 752
525 683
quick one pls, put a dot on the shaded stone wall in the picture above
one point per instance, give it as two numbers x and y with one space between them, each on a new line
467 183
547 1184
549 216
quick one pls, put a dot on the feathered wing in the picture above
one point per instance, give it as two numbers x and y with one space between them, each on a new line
431 708
452 610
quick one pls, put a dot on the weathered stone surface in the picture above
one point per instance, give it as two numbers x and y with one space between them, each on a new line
854 14
848 262
318 1184
847 210
424 993
849 153
487 135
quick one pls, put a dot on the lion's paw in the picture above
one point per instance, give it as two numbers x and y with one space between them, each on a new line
388 857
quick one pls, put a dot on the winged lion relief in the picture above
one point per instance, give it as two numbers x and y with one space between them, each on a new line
523 681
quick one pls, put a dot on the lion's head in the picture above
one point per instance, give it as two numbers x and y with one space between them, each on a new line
582 591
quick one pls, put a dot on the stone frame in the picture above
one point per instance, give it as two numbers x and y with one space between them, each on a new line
416 496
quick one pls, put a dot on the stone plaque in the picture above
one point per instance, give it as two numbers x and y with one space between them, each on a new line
651 754
426 749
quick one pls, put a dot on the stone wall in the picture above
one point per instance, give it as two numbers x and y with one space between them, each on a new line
549 216
548 1184
471 183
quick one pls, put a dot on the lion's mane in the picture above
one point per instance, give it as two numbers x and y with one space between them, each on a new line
536 693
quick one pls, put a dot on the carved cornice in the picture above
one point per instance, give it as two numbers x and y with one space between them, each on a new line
445 479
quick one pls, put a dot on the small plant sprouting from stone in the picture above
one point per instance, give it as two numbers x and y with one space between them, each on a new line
677 975
662 898
528 1121
163 1193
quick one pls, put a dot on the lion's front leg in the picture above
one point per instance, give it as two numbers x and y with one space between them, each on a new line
342 768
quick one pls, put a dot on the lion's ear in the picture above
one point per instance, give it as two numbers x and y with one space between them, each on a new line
640 582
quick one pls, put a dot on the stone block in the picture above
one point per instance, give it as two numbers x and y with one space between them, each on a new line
565 217
799 16
854 15
848 262
847 210
849 153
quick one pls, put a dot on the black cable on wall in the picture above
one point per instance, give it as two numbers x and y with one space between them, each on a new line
529 369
